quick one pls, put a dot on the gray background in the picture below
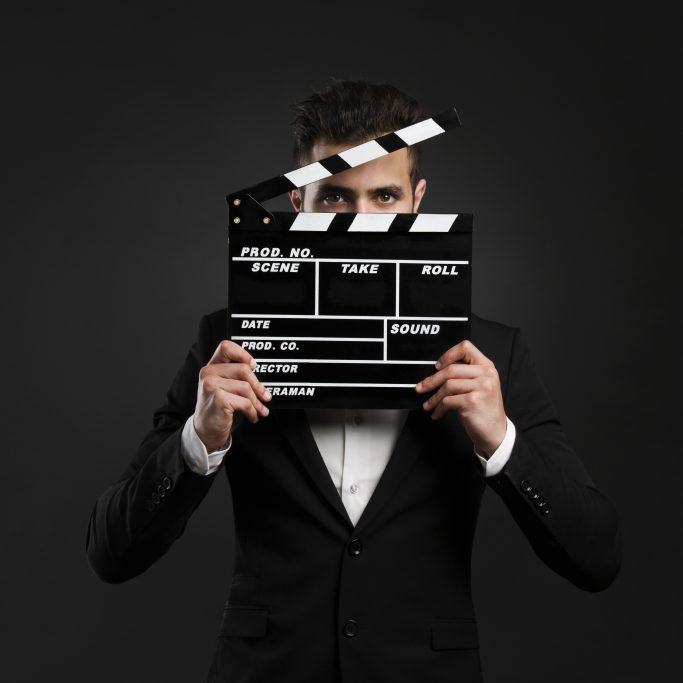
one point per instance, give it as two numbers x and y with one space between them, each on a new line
125 125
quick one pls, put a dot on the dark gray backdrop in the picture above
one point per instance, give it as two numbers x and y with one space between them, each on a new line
127 124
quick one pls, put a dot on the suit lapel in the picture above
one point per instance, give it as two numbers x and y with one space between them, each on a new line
410 443
408 447
295 427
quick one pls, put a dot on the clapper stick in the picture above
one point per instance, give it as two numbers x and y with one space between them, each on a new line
347 309
350 158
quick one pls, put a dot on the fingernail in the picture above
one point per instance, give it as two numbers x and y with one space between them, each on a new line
425 404
252 363
437 365
418 386
267 395
265 410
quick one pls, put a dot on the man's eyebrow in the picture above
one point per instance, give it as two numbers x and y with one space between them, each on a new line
391 189
330 188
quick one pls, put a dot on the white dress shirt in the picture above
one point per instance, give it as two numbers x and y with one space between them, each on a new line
356 446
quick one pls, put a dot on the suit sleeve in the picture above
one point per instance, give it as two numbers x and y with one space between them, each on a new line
136 520
570 524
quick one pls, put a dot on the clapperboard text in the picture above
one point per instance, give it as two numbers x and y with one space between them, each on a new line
346 310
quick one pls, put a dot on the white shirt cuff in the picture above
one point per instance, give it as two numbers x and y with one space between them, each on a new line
502 454
195 454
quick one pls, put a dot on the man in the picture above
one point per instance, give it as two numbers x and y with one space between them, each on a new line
354 528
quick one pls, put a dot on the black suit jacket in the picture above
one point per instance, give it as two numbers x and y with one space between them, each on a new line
315 599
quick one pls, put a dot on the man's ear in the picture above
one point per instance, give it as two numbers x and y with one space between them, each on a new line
296 199
420 190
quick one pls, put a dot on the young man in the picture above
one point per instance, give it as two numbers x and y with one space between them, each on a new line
354 527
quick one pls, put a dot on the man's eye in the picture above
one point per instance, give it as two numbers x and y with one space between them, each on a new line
385 197
333 198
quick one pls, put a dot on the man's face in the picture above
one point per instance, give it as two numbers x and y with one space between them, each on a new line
379 186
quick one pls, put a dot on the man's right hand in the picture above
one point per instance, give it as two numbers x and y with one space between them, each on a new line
227 385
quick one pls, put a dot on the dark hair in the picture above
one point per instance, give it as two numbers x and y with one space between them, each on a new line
353 111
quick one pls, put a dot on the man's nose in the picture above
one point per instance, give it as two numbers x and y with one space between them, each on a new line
361 206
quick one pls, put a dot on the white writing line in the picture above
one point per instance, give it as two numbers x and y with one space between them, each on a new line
345 260
342 317
357 339
334 361
334 384
385 340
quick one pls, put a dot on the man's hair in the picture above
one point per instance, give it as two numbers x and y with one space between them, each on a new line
351 112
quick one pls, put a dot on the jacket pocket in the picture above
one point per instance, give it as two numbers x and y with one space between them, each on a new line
454 634
244 622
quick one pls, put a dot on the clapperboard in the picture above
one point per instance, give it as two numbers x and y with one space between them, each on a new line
342 309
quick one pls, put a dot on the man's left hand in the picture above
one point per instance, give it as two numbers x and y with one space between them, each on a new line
472 389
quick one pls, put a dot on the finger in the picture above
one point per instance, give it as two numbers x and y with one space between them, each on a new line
233 403
229 352
450 387
465 351
236 371
452 371
456 403
241 388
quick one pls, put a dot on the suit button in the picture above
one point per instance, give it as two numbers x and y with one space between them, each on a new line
545 510
533 494
350 628
161 491
155 498
539 502
166 482
525 486
355 547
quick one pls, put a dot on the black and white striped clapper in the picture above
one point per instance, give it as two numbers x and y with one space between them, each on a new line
347 309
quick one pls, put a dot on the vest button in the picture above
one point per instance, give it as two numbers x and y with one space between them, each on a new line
355 547
350 628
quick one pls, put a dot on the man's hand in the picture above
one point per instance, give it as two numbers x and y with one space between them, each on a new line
227 385
472 389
